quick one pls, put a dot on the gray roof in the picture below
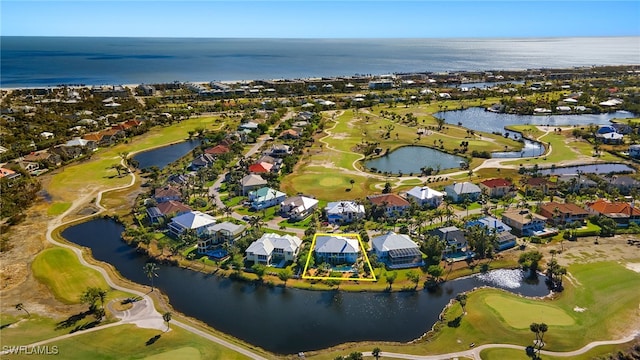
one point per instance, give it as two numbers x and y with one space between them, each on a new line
253 180
464 188
393 241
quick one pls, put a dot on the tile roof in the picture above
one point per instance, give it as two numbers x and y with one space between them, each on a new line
388 200
605 207
492 183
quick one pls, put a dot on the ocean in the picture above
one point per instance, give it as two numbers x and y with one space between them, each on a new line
50 61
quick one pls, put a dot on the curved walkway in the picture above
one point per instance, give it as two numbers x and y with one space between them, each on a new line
143 314
475 352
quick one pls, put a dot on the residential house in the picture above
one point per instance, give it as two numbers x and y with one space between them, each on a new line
217 150
577 182
623 183
202 161
178 179
496 188
225 232
563 213
273 247
293 133
425 196
456 246
260 168
196 221
82 143
344 212
251 182
28 166
298 207
44 157
621 212
172 208
608 134
541 184
394 205
505 240
154 214
397 251
97 138
8 174
278 150
634 151
167 193
464 190
524 222
490 223
111 136
336 249
265 197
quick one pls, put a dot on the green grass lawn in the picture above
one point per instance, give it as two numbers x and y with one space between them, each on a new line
131 342
97 172
60 270
512 354
610 306
22 330
58 208
520 313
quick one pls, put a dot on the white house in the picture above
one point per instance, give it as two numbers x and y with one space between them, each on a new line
271 247
458 191
397 250
344 212
298 207
193 220
266 197
219 233
424 195
336 249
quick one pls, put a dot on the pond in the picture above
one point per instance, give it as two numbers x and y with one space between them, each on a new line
603 168
411 159
478 119
301 320
165 155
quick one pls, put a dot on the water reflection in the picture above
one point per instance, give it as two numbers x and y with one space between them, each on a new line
305 320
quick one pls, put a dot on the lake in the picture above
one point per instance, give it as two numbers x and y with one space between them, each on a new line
410 159
165 155
285 320
603 168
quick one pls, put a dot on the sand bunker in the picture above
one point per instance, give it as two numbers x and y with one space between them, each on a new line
634 267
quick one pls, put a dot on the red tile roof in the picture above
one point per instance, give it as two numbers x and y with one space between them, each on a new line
566 208
218 149
172 206
388 200
536 181
493 183
261 167
605 207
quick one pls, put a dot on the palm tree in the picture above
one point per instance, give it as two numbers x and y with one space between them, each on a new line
20 306
150 270
352 182
376 352
462 299
166 317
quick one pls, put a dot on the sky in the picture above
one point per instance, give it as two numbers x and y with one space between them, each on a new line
320 19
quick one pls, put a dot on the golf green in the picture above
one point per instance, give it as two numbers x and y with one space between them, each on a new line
520 313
